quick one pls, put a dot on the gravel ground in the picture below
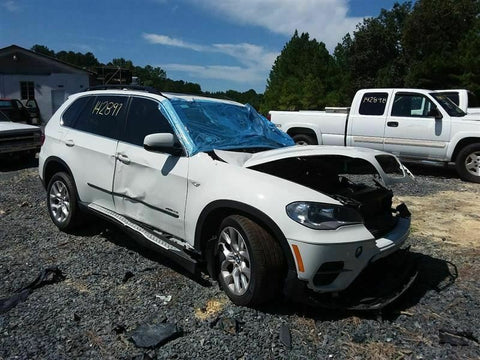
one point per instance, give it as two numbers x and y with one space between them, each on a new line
93 312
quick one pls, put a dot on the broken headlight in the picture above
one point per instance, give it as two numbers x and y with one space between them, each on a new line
322 216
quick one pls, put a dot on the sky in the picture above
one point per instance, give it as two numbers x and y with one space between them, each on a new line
219 44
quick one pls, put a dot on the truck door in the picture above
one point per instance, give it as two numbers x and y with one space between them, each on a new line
412 129
366 126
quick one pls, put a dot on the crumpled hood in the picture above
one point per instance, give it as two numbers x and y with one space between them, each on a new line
249 160
10 125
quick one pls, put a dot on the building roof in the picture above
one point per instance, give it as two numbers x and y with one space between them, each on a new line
17 60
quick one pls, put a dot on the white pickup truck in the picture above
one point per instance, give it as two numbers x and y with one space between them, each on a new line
411 123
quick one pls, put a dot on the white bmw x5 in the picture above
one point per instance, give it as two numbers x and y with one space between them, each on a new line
215 186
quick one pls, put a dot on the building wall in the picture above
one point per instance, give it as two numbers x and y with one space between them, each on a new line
50 90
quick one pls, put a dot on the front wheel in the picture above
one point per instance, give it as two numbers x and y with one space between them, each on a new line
62 202
250 261
468 163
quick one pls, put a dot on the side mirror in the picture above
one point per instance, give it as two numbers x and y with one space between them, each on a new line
434 112
163 142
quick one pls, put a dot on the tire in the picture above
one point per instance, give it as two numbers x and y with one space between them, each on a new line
250 262
468 163
62 202
302 139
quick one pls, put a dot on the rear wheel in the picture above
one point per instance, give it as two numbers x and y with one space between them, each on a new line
250 261
468 163
303 139
62 202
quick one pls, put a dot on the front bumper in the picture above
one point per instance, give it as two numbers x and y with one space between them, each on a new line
333 267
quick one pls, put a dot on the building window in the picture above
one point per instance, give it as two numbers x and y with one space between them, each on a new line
27 90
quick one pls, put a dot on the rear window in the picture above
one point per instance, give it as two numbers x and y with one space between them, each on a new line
101 115
373 103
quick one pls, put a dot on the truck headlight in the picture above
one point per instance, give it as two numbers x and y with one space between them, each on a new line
322 216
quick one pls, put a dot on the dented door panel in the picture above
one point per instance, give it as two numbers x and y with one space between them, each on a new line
151 188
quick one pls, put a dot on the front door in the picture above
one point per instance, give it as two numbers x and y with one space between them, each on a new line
412 131
149 187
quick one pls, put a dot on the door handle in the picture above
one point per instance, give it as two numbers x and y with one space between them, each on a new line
392 123
69 142
123 158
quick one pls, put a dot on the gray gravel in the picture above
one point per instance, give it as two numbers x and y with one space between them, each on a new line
91 314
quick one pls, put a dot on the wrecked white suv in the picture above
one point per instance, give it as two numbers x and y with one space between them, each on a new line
214 185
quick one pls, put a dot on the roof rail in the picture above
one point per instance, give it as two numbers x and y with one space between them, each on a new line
148 89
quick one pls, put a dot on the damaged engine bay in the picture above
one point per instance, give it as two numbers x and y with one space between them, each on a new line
343 179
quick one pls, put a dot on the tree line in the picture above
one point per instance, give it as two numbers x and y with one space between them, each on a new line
433 44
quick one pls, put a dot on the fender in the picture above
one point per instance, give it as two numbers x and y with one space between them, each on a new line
457 138
315 128
247 210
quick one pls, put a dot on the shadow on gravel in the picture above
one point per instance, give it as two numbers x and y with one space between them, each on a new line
116 236
432 169
432 274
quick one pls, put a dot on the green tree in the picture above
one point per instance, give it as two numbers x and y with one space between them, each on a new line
300 76
375 55
42 49
438 40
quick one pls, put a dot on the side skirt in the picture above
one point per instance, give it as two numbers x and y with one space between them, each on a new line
162 243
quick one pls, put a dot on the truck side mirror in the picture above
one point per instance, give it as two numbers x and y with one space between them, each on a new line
434 112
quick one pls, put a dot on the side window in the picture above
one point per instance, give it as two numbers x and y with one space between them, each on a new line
411 105
103 116
373 104
144 118
71 114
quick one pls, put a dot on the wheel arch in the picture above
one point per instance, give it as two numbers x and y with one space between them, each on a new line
302 131
462 143
54 165
213 214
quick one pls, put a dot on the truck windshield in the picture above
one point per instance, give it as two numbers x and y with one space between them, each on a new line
220 125
448 105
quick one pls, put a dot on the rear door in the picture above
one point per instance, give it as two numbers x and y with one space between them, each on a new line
412 130
149 187
367 126
92 126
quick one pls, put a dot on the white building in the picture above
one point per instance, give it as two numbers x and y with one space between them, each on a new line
25 74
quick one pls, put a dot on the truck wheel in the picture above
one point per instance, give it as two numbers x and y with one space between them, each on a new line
302 139
468 163
62 202
250 261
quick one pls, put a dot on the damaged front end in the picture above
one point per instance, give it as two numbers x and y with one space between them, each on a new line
358 180
345 179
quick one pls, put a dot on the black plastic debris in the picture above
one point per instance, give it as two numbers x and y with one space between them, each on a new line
47 276
153 335
128 275
285 336
456 338
227 324
119 329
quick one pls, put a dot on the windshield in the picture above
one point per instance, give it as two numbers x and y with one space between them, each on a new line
225 126
448 105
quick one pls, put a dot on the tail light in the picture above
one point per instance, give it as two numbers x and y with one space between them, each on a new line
42 139
269 117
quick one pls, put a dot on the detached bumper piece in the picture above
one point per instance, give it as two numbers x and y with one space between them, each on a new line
380 284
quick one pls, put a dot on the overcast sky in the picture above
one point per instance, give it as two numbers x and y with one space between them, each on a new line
220 44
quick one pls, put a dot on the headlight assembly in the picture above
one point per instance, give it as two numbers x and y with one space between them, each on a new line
322 216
